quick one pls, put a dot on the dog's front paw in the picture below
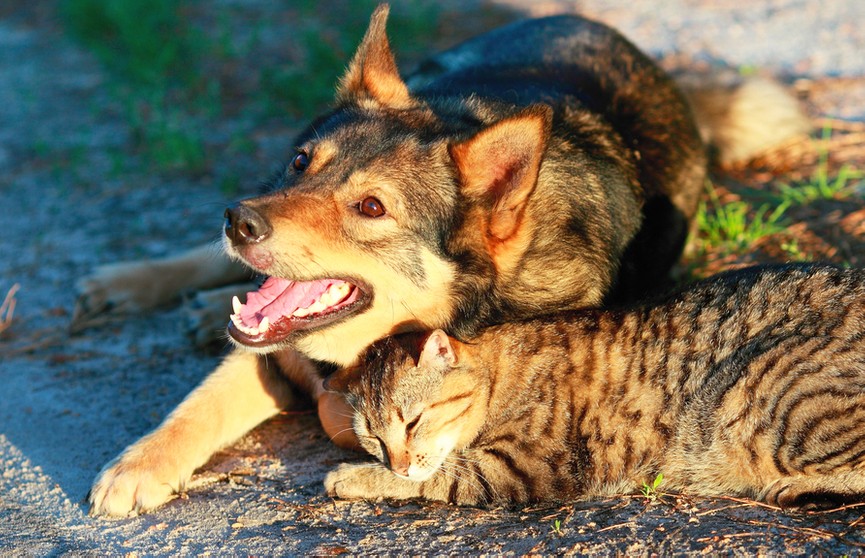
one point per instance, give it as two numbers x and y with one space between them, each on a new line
132 484
119 288
207 313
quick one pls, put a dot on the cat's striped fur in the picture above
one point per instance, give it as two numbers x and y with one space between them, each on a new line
750 383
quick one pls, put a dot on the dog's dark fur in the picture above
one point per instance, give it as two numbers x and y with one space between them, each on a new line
543 166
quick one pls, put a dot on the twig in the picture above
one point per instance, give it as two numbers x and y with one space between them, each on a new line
840 508
43 343
731 536
851 526
7 309
745 502
799 530
724 508
616 526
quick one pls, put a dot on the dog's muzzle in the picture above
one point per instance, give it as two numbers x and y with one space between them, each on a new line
244 225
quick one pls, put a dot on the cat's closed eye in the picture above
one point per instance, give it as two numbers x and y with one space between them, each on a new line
410 427
383 449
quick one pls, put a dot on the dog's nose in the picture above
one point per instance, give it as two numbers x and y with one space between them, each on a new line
244 225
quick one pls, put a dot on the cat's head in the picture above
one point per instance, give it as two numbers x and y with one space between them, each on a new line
415 401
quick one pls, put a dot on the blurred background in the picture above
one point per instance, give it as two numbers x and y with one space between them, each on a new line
126 126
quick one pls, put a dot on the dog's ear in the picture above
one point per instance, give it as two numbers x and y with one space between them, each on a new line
499 167
372 74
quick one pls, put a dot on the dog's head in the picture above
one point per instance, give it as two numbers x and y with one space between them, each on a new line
388 205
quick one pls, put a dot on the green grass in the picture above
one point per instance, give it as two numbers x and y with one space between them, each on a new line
162 63
794 253
148 42
153 55
307 87
821 186
650 491
168 136
732 226
327 43
727 228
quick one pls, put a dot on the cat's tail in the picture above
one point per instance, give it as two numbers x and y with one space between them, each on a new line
745 118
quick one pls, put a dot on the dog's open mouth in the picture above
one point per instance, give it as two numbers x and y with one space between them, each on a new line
281 307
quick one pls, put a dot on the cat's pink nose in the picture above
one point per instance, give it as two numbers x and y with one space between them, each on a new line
399 464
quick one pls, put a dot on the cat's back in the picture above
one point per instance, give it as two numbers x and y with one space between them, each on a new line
704 335
781 286
784 295
790 299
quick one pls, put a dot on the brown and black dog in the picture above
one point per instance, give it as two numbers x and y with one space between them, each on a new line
543 166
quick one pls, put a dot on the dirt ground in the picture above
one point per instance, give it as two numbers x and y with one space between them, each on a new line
71 401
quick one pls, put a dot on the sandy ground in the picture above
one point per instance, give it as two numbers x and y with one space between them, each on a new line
70 401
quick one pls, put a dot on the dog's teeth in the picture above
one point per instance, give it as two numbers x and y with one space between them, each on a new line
262 327
330 297
343 290
236 305
333 295
317 306
336 293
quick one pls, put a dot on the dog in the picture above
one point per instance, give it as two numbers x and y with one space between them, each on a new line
543 166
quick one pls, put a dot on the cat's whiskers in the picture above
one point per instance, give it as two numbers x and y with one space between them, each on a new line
349 429
473 476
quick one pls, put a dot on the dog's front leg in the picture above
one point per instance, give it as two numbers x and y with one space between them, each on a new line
242 392
143 285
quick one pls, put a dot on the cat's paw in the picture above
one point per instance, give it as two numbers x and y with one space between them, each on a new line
352 481
809 494
134 483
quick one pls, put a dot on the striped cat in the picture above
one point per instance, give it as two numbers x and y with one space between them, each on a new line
751 383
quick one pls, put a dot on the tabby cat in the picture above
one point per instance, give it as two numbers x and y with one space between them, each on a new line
750 383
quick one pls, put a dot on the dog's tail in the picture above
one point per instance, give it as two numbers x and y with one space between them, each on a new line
745 118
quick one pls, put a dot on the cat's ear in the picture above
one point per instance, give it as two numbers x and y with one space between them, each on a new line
499 168
438 352
372 75
341 380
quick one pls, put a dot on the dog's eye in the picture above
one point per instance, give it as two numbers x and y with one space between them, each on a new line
371 207
300 162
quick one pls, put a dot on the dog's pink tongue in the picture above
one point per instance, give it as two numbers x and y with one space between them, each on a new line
280 297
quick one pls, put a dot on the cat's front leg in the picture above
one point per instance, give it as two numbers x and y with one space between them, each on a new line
371 481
